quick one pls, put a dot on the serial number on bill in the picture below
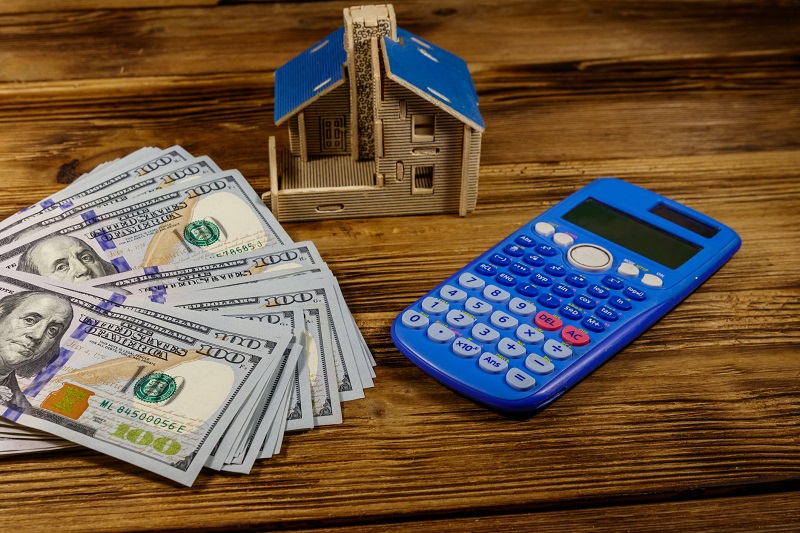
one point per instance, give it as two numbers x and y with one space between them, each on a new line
144 416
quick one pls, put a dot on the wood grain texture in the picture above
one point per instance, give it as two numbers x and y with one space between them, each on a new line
695 426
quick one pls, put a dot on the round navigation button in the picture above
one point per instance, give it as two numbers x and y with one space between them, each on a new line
590 258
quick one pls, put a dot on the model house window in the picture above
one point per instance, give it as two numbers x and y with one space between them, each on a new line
332 134
423 180
422 128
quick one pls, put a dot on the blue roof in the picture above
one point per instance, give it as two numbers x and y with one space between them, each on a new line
431 72
307 76
435 74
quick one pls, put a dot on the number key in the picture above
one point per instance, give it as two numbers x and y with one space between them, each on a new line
452 294
493 293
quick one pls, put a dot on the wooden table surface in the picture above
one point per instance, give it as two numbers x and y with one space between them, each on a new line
695 426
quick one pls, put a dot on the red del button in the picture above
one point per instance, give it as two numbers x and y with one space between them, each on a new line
547 322
574 336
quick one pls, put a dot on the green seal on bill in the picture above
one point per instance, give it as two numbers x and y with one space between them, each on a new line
201 232
155 387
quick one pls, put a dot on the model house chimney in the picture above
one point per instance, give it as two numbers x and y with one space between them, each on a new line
364 26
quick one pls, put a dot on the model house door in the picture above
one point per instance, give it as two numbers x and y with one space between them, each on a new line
333 134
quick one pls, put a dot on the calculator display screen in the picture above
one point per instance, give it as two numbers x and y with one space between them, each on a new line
636 235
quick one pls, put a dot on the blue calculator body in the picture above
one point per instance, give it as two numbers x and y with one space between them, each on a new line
544 307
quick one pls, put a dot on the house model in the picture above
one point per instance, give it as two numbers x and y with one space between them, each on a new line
381 122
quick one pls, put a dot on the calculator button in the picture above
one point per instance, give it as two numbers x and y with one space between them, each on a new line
520 380
577 281
607 313
570 312
506 279
613 283
519 269
564 291
465 348
563 239
470 281
414 320
457 319
499 260
574 336
538 364
526 289
548 322
557 350
652 281
510 348
434 306
555 270
546 250
494 364
635 294
477 307
620 303
495 294
529 334
440 333
514 251
541 280
585 302
521 307
590 257
548 300
544 229
598 291
524 240
628 270
533 260
485 269
592 324
452 294
483 333
503 320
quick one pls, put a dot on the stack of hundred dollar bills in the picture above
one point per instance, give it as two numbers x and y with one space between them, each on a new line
156 311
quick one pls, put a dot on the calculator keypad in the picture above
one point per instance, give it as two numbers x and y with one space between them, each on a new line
522 313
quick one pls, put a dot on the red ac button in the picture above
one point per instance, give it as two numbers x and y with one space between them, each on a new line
574 336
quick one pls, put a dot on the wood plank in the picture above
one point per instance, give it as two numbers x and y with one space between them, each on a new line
773 512
255 37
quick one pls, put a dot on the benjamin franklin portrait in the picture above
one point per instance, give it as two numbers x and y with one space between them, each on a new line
64 258
32 324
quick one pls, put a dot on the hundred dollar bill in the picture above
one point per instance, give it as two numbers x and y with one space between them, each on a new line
67 197
116 166
13 446
211 274
252 421
323 404
156 282
293 289
122 192
249 425
272 409
116 380
300 404
204 217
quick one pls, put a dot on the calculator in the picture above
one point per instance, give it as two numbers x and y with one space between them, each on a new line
540 310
